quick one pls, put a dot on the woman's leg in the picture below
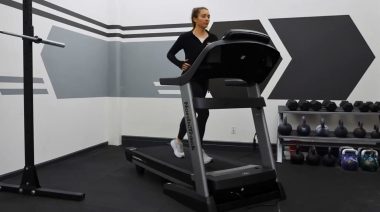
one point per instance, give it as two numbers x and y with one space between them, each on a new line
176 143
182 129
199 89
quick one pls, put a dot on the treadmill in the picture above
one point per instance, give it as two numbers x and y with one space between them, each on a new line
243 58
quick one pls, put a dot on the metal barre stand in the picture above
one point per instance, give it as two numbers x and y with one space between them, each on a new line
29 183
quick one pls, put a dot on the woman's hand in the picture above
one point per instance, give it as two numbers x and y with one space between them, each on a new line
185 66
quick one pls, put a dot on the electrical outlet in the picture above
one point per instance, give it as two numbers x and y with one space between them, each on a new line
233 130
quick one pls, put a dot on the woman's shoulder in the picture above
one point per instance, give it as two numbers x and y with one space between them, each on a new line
186 34
212 36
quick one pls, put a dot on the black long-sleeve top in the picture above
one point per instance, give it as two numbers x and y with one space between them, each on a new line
191 45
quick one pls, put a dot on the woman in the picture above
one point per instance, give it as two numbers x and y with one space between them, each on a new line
193 42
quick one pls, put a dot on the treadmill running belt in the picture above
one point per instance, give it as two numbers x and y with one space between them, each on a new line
165 153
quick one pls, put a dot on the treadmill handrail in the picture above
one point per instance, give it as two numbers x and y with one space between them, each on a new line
189 74
225 103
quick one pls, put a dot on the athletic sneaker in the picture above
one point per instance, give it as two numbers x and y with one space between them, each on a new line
177 148
206 159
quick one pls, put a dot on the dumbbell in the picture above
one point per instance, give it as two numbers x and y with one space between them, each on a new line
346 106
304 105
329 105
315 105
378 104
357 103
362 106
373 107
292 104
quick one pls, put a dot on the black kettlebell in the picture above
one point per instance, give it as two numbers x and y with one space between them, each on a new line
369 160
304 105
341 131
346 106
303 129
322 129
292 104
312 157
375 133
360 131
329 105
315 105
329 159
373 107
285 128
297 157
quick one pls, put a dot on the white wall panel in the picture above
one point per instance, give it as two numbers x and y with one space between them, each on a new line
61 126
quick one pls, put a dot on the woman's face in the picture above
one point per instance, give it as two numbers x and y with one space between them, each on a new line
203 19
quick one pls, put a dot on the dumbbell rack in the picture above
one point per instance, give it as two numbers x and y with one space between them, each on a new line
314 140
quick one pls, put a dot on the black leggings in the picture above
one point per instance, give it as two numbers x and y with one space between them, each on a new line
199 89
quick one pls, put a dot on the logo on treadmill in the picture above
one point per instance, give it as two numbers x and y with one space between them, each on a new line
188 125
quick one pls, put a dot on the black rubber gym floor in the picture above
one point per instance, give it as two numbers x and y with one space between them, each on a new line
111 184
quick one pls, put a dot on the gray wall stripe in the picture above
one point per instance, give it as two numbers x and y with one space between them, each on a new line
21 91
93 30
98 23
19 79
99 32
161 26
12 4
17 5
163 34
71 13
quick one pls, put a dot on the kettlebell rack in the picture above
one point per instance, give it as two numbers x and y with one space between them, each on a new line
314 140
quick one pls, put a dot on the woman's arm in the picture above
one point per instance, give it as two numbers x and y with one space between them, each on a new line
177 46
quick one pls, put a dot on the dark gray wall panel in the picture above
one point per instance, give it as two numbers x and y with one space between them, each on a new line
329 57
114 60
81 69
90 67
217 86
144 63
220 28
